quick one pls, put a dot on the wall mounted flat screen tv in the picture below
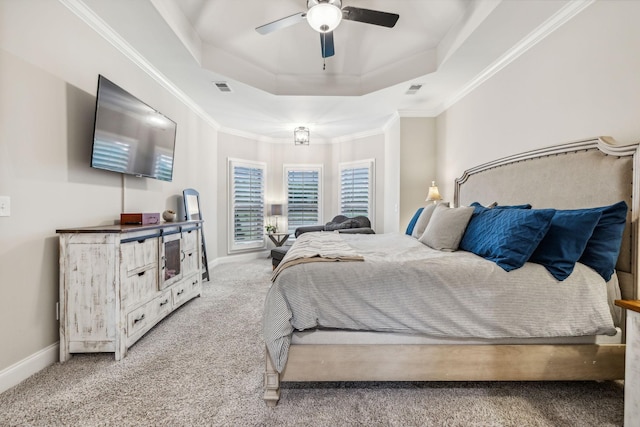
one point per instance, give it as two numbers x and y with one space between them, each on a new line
129 136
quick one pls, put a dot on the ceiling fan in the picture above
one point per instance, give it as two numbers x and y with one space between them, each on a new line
325 15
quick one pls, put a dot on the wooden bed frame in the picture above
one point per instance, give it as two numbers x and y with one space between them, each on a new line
580 174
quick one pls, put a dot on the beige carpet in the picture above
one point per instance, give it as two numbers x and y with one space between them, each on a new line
203 366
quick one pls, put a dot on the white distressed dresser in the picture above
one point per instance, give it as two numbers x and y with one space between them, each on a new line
118 281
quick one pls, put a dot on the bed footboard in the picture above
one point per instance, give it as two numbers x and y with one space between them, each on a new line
570 362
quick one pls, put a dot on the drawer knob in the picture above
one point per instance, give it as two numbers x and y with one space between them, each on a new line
165 302
180 292
138 319
141 273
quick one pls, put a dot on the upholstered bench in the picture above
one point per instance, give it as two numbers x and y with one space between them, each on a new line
277 254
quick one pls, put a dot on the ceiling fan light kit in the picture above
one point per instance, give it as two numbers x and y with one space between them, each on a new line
324 16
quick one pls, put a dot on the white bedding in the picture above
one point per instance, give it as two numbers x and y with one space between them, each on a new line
404 286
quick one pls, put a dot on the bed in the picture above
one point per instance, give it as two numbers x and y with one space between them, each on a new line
577 175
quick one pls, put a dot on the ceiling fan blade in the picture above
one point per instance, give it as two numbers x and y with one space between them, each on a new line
368 16
326 44
282 23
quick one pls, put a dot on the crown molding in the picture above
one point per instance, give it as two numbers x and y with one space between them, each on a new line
80 9
565 14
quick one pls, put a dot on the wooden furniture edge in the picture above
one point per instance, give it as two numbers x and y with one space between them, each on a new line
633 305
130 228
412 362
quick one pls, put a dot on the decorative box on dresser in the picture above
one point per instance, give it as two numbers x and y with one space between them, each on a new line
118 281
632 363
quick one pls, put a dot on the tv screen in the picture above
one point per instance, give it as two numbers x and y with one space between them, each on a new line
129 136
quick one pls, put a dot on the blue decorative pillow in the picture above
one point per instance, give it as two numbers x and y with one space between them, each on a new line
507 237
413 221
566 240
603 247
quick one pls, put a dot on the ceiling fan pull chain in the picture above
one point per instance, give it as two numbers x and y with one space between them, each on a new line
324 51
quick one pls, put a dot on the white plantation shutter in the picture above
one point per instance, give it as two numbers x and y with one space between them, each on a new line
247 183
303 196
356 189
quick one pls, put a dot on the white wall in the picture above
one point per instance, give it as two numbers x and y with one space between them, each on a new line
418 165
581 81
392 172
49 66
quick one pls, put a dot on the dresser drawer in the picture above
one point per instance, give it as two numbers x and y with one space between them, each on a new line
139 319
185 290
139 286
147 315
163 305
138 255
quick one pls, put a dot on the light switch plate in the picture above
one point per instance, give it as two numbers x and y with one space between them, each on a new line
5 206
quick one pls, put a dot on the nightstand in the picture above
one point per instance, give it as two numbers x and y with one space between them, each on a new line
632 362
278 239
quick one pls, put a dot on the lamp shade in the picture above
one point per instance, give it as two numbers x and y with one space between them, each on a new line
434 194
324 17
276 209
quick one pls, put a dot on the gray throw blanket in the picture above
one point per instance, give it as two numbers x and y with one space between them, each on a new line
317 247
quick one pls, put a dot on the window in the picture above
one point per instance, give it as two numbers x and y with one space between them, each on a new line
357 189
303 187
246 202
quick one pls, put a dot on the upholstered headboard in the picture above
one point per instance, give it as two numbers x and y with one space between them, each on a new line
580 174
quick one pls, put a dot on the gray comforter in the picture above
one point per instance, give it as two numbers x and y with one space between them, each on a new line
405 286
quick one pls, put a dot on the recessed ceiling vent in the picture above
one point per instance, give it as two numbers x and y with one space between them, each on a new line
413 89
222 86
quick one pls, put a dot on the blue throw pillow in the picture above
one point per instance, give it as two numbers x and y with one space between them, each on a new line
566 240
413 221
603 247
507 237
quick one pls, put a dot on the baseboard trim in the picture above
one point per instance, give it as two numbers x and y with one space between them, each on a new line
20 371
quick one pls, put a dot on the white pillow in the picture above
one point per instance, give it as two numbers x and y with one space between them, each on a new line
423 220
446 227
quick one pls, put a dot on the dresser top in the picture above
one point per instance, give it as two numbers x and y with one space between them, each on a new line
119 228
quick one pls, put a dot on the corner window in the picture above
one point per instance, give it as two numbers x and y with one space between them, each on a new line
357 188
303 190
246 204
